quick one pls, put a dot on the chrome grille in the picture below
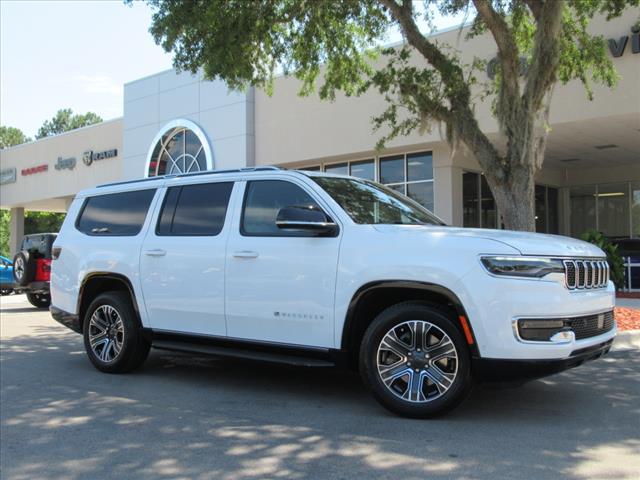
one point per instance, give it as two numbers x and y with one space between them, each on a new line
585 274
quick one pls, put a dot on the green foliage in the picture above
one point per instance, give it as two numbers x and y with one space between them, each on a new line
64 120
423 81
616 263
42 222
4 233
34 222
10 136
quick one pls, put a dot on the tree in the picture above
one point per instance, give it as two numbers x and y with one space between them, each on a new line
65 120
539 43
10 136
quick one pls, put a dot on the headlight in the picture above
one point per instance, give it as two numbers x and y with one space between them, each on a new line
529 267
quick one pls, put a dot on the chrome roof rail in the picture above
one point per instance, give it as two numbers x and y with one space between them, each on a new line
194 174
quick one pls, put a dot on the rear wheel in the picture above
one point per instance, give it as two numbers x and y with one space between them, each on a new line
39 300
112 335
415 361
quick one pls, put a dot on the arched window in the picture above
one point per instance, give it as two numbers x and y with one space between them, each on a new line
180 147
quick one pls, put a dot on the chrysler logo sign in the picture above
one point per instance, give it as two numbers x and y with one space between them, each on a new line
90 156
7 175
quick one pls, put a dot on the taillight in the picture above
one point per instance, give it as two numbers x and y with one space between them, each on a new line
43 270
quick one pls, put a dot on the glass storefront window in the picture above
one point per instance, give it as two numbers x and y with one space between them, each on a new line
338 168
392 169
365 169
553 222
635 209
488 212
613 209
409 174
541 209
470 200
422 193
419 167
582 201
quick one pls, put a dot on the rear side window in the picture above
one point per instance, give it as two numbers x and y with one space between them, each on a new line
115 214
194 210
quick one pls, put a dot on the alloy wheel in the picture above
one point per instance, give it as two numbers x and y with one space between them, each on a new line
18 268
417 361
106 333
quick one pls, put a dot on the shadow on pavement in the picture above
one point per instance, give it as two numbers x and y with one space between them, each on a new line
184 417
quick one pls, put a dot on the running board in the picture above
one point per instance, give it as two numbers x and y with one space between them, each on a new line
272 354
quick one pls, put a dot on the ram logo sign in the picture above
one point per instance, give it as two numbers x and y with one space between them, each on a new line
90 156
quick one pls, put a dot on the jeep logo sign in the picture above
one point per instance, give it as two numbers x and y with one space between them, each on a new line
90 156
65 163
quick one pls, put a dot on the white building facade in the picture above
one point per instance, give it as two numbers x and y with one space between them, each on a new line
176 122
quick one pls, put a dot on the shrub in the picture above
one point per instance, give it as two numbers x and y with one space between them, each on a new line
616 264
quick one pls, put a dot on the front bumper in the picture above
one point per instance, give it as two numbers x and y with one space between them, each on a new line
69 320
501 370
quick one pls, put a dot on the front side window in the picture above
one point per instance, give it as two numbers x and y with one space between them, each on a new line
370 203
263 201
120 214
194 210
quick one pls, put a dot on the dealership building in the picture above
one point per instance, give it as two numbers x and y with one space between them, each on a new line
177 122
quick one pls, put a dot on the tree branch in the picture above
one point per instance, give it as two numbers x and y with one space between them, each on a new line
536 8
546 54
507 48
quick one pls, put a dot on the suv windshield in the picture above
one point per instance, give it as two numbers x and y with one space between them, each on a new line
371 203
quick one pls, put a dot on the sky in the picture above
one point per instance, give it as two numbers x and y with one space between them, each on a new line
77 54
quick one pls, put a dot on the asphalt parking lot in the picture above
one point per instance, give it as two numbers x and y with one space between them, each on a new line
209 418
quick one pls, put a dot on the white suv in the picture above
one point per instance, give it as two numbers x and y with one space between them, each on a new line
317 269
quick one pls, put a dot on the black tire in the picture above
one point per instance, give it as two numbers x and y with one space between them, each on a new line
6 291
134 349
39 300
24 268
430 401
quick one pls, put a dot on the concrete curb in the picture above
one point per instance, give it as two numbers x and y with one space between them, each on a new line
627 340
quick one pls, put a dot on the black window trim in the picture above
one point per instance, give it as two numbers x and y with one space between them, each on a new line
86 202
181 186
302 234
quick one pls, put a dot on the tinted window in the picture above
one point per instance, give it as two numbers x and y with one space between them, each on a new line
370 203
116 213
263 201
195 209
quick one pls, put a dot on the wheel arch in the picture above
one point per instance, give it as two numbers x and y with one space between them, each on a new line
99 282
373 297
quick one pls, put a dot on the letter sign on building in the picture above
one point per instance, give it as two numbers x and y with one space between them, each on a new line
32 170
7 175
90 156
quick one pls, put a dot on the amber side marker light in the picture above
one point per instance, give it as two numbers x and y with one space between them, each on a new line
466 329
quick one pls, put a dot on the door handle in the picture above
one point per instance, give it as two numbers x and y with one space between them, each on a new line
158 252
245 254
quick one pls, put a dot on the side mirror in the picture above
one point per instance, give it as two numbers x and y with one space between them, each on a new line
305 218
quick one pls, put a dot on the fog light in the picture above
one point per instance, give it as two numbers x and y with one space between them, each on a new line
566 336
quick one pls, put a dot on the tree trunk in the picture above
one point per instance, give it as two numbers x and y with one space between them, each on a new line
514 194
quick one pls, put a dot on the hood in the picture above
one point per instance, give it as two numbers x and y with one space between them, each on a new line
525 242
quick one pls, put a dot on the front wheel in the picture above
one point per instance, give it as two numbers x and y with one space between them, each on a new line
415 361
39 300
112 335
